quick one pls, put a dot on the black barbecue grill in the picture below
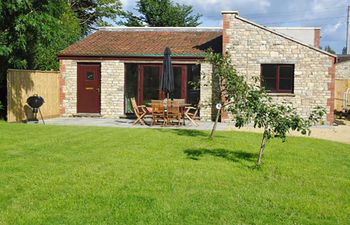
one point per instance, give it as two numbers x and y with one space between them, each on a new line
35 102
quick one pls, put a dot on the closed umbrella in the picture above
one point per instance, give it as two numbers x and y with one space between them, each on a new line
167 81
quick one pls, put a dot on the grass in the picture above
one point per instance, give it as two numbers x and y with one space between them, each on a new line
90 175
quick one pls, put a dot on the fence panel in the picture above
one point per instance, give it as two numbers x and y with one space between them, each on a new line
22 84
340 88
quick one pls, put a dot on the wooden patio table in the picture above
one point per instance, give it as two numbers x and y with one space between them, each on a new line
182 107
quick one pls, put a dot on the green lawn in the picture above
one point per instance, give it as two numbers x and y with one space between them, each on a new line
89 175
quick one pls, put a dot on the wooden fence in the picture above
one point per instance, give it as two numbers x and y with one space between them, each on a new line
340 87
22 84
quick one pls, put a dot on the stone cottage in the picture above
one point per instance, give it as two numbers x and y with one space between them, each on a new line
103 71
100 73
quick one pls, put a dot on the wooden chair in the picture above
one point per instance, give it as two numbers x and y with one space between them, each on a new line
158 112
140 112
173 112
191 113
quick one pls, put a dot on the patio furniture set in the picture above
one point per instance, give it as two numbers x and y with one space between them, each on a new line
166 112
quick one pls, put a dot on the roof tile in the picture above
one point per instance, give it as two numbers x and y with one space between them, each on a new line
145 43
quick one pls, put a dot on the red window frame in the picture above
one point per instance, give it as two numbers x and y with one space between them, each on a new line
278 78
161 93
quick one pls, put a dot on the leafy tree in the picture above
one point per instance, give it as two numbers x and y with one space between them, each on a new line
32 32
251 104
162 13
29 28
93 13
328 48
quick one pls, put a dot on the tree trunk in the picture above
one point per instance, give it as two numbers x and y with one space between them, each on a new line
215 124
262 147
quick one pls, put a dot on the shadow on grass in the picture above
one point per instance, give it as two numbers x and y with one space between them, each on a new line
234 156
185 132
190 133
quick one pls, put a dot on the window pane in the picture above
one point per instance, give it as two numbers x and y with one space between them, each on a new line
286 72
151 82
193 90
286 84
90 76
269 71
270 84
177 82
131 80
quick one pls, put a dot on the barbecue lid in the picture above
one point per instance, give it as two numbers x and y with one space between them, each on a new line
35 101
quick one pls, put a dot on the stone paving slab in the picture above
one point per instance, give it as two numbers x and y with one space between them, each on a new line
339 133
127 123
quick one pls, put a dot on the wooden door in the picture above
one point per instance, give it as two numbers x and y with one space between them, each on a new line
89 86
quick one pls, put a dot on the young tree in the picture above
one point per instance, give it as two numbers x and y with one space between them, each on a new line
252 104
275 119
229 86
95 13
162 13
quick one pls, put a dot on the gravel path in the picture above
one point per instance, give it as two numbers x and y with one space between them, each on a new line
339 133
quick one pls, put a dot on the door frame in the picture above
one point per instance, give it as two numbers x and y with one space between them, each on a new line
141 78
80 65
140 88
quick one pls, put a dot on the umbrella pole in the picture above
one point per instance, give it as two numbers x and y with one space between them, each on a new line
167 106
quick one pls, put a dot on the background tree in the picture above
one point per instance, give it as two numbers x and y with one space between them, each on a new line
252 104
32 32
344 50
162 13
328 48
95 13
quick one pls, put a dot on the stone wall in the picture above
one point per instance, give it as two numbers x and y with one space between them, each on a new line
69 87
343 70
206 93
251 45
112 88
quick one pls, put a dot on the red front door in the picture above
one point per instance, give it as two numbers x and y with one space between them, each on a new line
89 86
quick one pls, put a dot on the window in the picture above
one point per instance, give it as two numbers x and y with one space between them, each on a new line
142 82
278 78
90 76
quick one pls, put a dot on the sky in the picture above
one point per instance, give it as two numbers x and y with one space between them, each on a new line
330 15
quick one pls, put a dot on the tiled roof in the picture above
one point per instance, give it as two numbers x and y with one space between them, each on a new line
343 58
123 42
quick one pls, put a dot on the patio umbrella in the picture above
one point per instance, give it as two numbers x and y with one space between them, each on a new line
167 81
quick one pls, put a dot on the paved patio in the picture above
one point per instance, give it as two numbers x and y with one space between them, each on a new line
127 123
339 133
